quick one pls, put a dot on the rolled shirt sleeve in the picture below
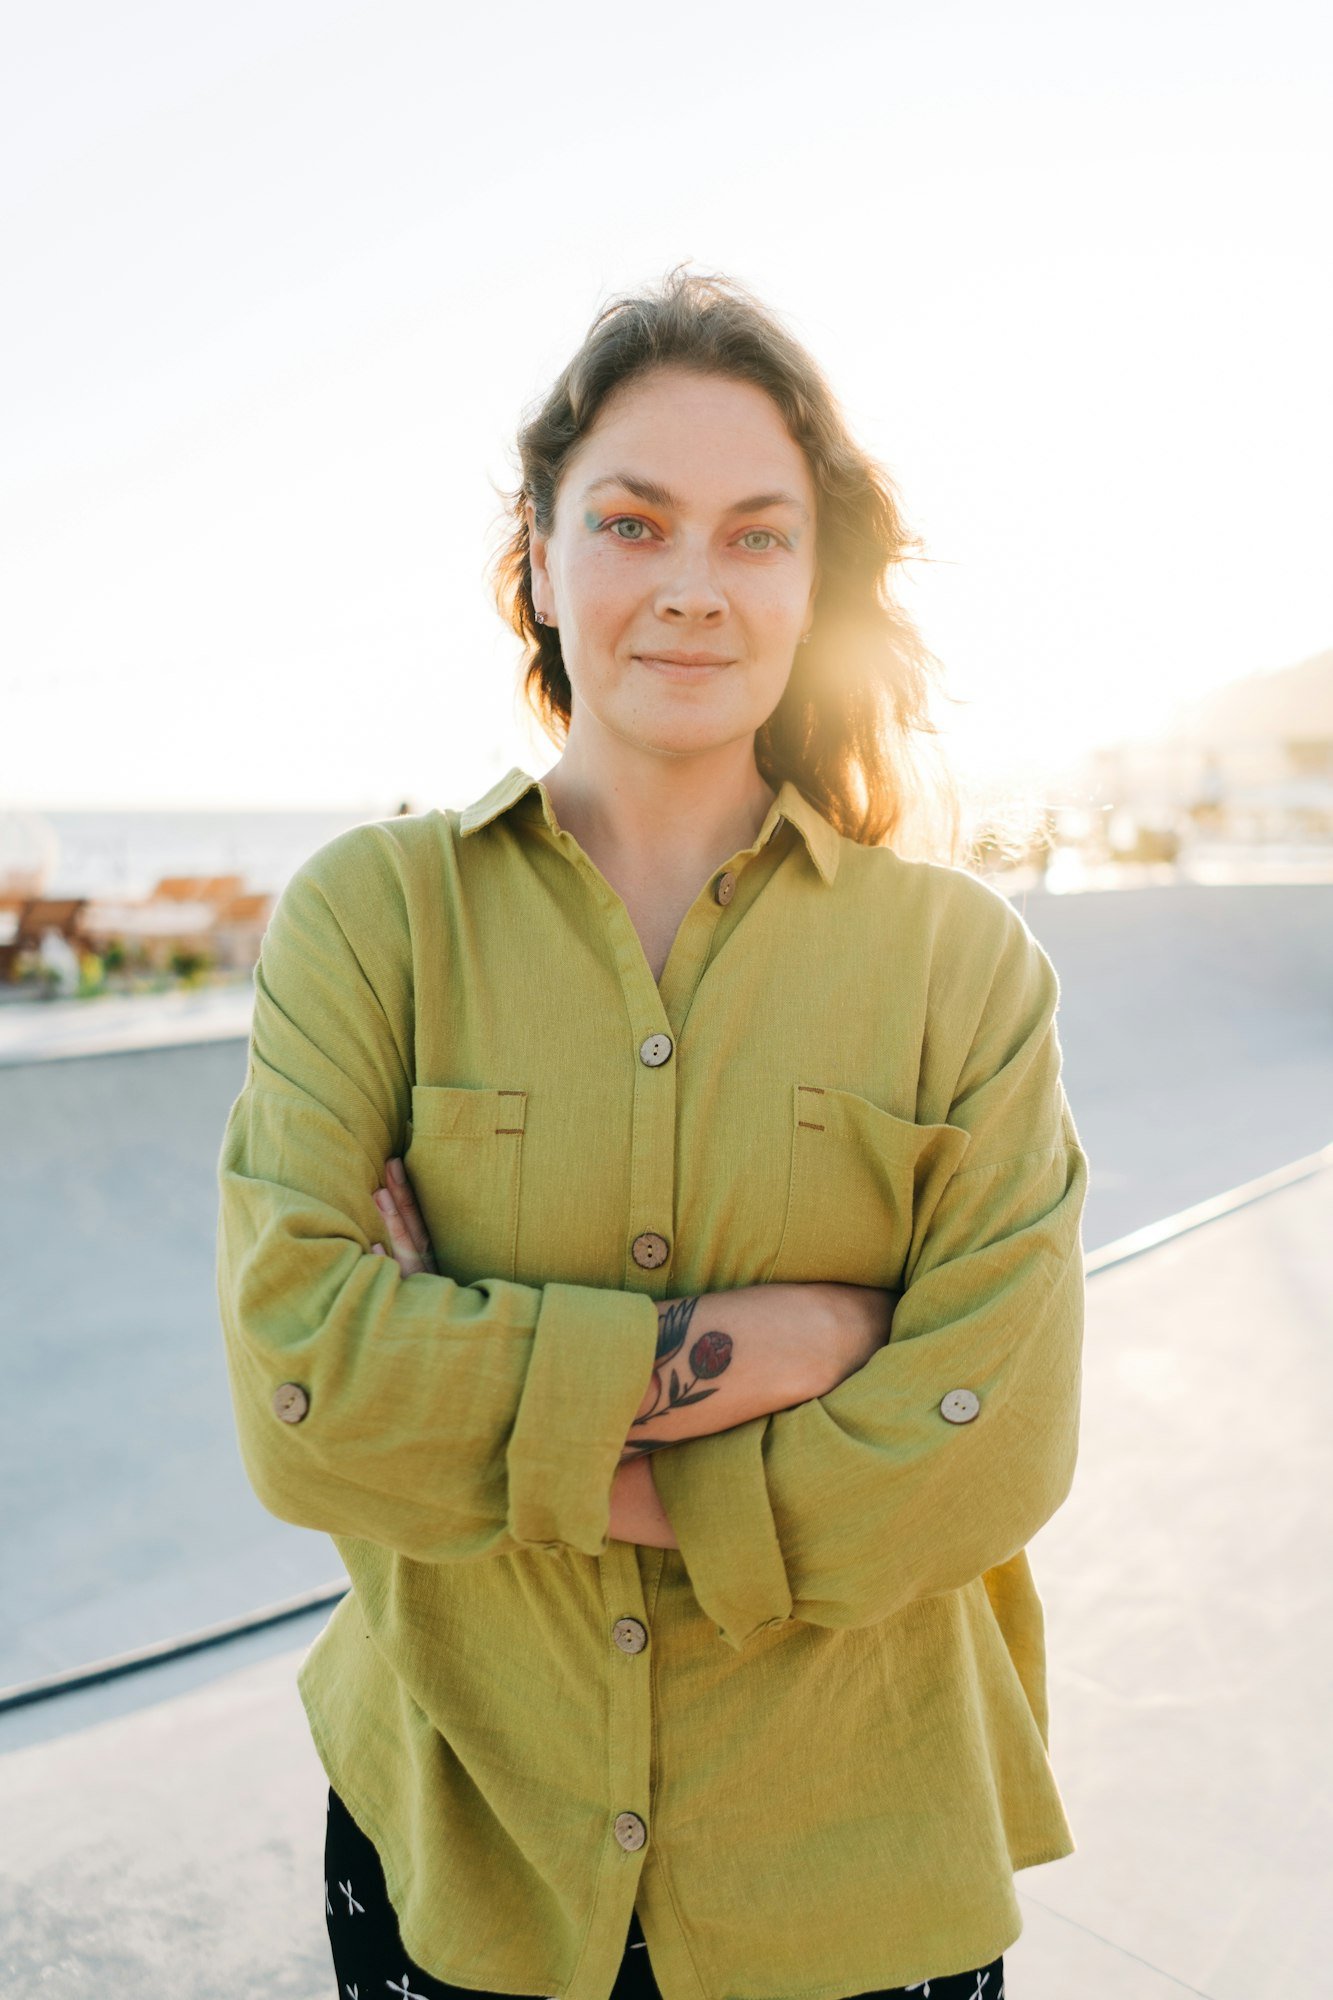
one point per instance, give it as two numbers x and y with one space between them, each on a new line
444 1421
895 1486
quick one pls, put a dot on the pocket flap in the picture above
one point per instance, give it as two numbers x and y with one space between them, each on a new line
454 1111
897 1141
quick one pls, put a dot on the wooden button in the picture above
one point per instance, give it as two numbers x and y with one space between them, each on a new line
630 1831
960 1406
650 1250
655 1050
629 1635
725 886
290 1402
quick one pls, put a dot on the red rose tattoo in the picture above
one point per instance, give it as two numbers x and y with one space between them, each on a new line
709 1357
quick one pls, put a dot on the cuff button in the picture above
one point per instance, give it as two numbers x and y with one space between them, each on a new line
290 1402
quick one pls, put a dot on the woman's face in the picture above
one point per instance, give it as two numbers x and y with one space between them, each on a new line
680 571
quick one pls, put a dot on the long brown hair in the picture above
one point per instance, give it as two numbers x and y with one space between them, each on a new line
848 730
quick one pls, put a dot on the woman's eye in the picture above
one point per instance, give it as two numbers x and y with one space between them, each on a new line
629 528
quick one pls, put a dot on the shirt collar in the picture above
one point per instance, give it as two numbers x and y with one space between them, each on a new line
822 839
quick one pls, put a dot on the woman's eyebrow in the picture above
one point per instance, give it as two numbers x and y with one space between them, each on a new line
654 495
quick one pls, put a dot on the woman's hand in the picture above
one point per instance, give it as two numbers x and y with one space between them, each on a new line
854 1322
407 1232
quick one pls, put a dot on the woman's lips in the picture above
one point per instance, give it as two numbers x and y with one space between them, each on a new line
681 667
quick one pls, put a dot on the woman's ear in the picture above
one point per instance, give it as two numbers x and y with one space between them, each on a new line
542 598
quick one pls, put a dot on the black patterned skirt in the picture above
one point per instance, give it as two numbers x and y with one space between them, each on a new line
369 1960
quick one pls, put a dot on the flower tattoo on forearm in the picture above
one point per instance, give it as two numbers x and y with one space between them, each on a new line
709 1357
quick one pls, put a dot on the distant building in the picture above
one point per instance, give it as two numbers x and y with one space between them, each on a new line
214 889
152 933
213 916
1264 750
1250 762
238 929
34 920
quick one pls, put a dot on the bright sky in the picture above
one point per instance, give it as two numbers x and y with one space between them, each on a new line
283 275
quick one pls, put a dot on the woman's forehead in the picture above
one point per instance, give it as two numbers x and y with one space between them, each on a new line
673 429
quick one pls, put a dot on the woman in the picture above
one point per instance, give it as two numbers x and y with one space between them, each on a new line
682 1394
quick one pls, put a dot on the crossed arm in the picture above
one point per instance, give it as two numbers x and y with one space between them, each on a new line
813 1337
820 1480
722 1359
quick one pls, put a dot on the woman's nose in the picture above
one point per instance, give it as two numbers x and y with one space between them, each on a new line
692 590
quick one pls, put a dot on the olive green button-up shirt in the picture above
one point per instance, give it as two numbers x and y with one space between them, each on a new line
810 1747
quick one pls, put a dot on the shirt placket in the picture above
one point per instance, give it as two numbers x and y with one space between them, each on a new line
654 1017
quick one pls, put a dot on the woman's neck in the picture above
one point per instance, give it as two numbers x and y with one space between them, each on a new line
675 818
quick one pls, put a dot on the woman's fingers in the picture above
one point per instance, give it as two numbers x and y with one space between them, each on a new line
403 1193
405 1251
407 1231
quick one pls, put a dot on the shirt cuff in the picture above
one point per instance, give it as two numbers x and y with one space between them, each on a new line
716 1498
592 1360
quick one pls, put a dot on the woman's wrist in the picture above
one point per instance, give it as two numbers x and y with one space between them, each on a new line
726 1357
637 1514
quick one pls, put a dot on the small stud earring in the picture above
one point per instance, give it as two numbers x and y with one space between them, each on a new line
541 617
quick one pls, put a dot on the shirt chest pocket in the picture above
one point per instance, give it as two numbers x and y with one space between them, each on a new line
862 1186
465 1162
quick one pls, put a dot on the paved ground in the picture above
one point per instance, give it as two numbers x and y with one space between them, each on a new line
38 1031
1197 1025
164 1837
125 1516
